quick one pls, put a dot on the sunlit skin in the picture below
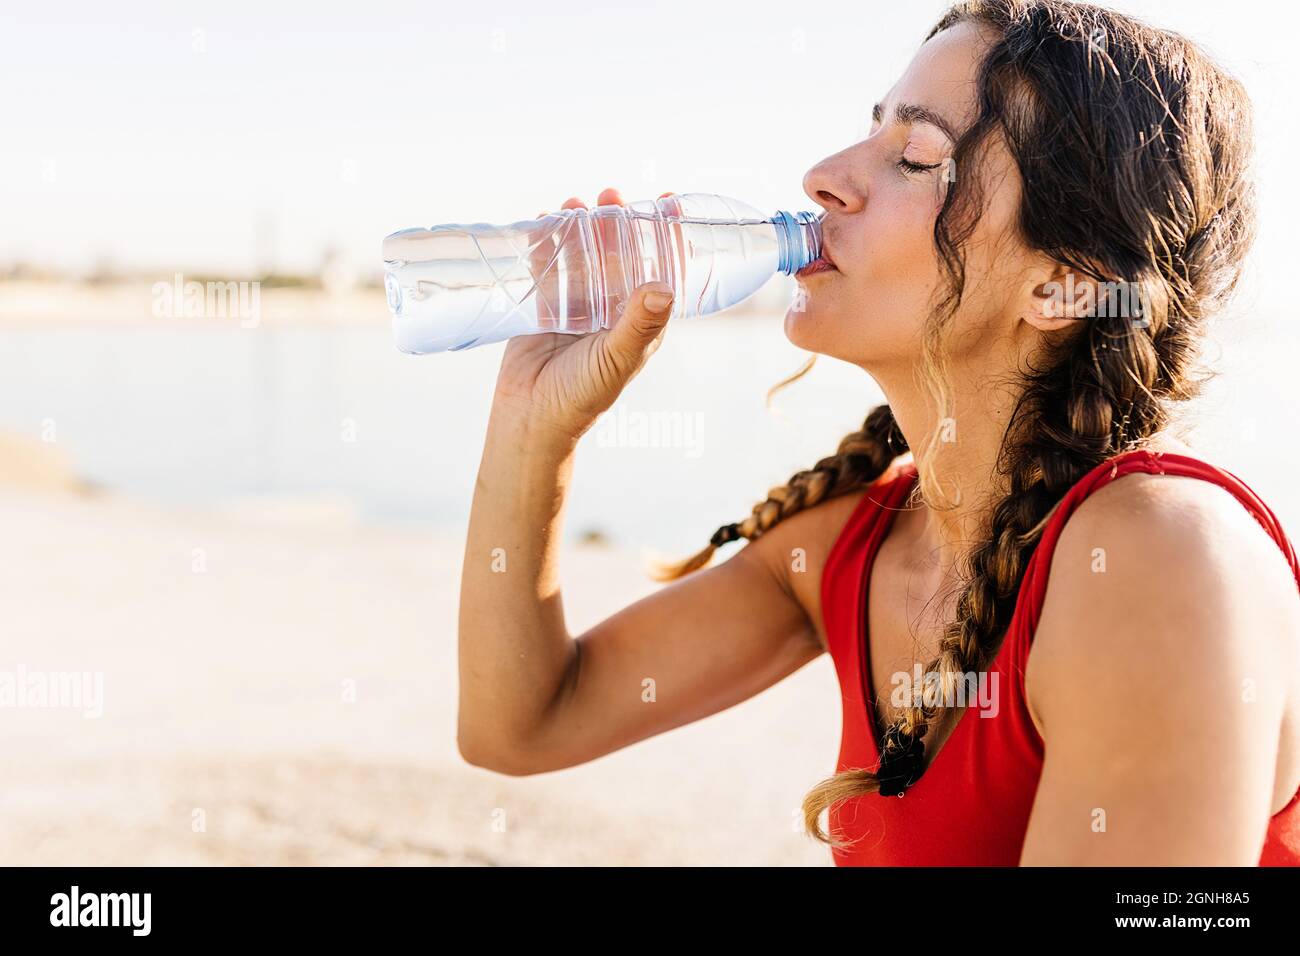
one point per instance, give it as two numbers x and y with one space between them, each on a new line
1135 678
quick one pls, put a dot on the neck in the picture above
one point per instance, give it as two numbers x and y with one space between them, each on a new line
956 449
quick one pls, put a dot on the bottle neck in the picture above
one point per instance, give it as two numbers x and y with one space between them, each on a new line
798 239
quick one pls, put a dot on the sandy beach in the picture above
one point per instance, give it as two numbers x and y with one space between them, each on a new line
270 606
233 508
278 687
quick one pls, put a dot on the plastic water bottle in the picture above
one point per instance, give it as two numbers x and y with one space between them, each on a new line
456 286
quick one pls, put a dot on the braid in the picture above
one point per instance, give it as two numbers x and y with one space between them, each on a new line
861 458
1069 419
1109 388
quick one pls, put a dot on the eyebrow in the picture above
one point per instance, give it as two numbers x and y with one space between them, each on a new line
910 113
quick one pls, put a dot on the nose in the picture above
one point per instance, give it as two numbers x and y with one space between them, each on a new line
828 185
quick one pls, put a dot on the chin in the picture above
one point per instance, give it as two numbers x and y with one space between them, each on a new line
812 330
800 325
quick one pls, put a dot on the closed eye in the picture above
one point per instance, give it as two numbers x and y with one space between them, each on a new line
910 167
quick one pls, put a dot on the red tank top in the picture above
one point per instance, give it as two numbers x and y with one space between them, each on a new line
971 807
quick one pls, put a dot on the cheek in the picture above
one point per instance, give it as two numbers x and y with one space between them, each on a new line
879 308
904 242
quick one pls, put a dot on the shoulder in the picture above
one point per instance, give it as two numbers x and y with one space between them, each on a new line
1166 536
1190 524
1164 592
1163 679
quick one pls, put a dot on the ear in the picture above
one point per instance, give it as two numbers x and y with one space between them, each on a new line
1061 299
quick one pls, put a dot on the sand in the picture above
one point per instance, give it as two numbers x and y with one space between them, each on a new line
279 688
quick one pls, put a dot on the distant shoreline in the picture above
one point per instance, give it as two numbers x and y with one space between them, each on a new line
161 301
137 302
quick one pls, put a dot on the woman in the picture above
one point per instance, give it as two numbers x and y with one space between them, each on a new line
1022 254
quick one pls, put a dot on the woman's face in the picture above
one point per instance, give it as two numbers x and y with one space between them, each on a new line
881 198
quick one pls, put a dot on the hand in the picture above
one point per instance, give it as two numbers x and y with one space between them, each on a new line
565 381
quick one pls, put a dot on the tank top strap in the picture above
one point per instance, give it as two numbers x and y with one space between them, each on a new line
1033 586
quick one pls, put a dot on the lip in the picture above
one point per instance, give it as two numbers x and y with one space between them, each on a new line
826 254
820 264
823 263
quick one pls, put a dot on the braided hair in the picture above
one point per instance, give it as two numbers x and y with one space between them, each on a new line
1134 154
861 458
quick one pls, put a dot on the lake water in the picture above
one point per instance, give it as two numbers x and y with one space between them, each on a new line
204 413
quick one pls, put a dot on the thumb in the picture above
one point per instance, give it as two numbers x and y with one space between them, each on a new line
641 323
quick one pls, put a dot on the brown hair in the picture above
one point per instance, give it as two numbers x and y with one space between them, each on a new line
1134 153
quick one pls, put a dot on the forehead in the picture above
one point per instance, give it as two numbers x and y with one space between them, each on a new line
943 73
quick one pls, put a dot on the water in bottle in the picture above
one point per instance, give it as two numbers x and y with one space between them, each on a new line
455 286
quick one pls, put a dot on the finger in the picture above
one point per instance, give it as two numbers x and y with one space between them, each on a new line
607 235
576 307
542 241
638 329
547 289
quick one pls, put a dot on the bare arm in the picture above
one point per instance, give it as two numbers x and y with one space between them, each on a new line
532 696
1161 683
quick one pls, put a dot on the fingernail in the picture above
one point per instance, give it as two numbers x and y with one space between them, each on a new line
658 301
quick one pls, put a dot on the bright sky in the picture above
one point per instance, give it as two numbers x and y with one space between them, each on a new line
215 136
